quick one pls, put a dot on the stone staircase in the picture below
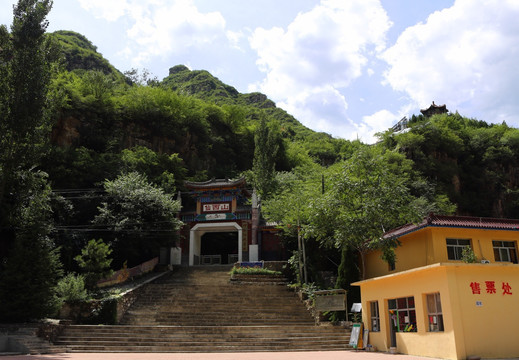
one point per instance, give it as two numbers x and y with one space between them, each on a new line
199 310
23 339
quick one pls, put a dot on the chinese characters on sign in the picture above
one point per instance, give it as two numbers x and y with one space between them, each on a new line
490 288
476 289
507 289
216 207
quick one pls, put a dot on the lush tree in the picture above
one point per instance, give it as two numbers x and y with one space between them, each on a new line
368 195
98 87
95 262
30 266
25 70
140 217
265 152
471 162
162 169
32 270
142 77
289 206
348 273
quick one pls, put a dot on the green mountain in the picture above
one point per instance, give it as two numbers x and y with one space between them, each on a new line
203 85
81 54
211 126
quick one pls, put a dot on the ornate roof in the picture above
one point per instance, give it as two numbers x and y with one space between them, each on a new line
467 222
215 184
434 109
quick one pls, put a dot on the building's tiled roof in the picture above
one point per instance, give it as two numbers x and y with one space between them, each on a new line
215 183
456 222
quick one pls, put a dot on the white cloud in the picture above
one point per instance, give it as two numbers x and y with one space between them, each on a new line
235 37
161 27
109 10
318 106
319 53
376 123
464 56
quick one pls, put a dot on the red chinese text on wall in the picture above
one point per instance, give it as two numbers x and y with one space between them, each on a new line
489 287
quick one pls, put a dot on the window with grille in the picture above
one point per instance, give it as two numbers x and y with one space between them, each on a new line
375 318
455 248
505 251
402 314
434 312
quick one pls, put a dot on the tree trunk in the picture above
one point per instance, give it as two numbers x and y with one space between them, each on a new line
362 254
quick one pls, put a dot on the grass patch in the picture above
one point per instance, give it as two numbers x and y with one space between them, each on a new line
253 271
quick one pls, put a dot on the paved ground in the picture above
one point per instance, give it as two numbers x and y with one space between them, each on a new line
312 355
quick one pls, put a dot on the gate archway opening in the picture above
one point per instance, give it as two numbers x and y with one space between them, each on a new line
203 239
219 248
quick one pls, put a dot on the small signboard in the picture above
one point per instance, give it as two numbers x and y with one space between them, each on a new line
355 335
330 300
330 303
356 307
215 216
365 338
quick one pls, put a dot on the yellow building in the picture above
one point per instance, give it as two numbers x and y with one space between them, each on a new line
433 304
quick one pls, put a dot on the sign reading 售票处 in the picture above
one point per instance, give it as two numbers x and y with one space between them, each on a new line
490 287
217 207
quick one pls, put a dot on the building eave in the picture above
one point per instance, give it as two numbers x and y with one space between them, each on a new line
460 222
216 184
414 271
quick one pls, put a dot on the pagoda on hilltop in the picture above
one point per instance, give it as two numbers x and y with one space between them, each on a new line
434 110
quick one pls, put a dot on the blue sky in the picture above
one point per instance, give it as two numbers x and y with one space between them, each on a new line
350 68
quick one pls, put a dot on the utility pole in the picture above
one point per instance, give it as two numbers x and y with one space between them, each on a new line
302 263
299 250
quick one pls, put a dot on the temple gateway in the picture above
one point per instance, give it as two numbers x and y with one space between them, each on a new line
223 225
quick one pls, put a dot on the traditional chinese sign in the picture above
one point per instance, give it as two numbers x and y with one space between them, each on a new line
213 216
218 207
489 287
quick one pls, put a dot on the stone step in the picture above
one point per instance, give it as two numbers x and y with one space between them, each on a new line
199 318
200 310
199 295
26 338
235 320
213 322
249 308
201 349
183 338
94 329
180 290
210 346
125 337
220 301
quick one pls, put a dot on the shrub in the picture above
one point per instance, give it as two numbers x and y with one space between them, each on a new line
468 256
71 288
253 271
94 261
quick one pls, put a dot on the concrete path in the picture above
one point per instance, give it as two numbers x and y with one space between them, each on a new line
312 355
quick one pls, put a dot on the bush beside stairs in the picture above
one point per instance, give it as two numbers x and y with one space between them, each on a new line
198 309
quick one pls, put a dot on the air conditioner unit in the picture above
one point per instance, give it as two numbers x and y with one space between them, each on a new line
485 261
